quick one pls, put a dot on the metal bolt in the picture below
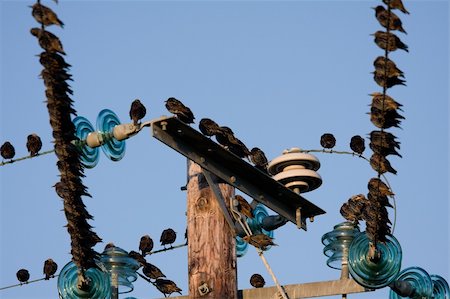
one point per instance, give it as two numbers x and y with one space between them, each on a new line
164 125
233 179
203 289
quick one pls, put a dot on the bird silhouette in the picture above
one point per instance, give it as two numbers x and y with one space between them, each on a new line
260 241
50 268
152 272
377 186
168 237
327 140
385 119
243 206
382 101
257 281
53 61
34 144
259 159
138 257
380 146
383 137
23 275
45 16
182 112
387 82
357 144
396 4
167 287
381 165
137 112
225 136
381 200
208 127
386 66
7 150
389 41
48 41
146 244
353 209
388 19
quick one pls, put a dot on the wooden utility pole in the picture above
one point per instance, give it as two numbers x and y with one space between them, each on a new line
211 246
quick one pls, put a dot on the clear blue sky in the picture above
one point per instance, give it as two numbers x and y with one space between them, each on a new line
279 73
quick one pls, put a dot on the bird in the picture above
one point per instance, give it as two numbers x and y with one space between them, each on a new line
389 41
396 4
138 257
151 271
168 236
243 206
388 19
381 165
7 150
45 16
259 159
167 287
109 246
383 137
257 281
327 140
48 41
387 82
182 112
222 136
357 144
260 241
23 275
225 137
385 119
377 186
34 144
53 61
50 268
384 102
137 112
208 127
381 200
145 245
353 209
386 66
383 148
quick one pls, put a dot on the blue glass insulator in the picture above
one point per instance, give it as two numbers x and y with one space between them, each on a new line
441 289
89 156
337 243
99 283
370 274
112 148
120 266
419 280
241 247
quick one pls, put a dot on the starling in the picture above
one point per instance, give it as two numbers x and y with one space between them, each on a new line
167 287
7 150
387 82
243 206
381 200
389 41
260 241
257 281
53 61
383 147
109 245
23 275
353 209
357 144
145 245
48 41
327 140
225 137
396 4
384 102
208 127
383 137
45 16
182 112
138 257
258 158
151 271
168 236
386 66
137 112
388 19
381 165
386 119
50 268
377 186
34 144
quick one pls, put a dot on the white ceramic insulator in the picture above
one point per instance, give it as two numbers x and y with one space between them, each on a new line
94 139
297 177
123 131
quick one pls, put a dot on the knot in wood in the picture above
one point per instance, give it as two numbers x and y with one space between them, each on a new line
202 203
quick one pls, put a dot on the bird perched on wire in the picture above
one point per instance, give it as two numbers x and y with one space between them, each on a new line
48 41
357 144
257 281
243 206
381 165
385 119
385 138
385 65
327 140
145 245
138 257
23 275
152 272
381 200
208 127
389 41
167 287
353 209
182 112
384 102
34 144
383 148
137 111
388 19
50 268
388 82
377 186
7 150
259 159
260 241
396 4
168 237
53 61
45 16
